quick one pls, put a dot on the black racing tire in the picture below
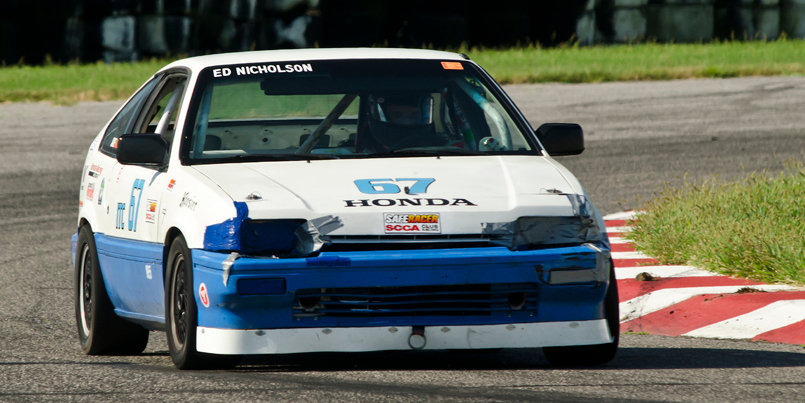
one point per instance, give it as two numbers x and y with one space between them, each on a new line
596 354
100 331
181 314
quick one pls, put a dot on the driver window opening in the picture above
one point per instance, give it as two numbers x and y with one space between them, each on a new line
161 116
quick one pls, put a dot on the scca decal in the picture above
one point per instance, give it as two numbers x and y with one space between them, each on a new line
407 202
396 223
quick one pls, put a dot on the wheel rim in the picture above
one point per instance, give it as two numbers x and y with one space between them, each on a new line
179 295
85 298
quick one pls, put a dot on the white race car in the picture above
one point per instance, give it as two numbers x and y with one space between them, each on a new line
318 200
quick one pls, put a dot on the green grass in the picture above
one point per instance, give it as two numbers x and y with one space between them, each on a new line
649 61
752 228
67 84
529 64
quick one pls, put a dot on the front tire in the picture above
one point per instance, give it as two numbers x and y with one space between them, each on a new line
100 331
181 314
597 354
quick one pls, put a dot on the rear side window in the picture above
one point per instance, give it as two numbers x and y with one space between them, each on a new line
125 120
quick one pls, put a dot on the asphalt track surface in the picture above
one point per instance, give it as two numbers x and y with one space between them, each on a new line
639 136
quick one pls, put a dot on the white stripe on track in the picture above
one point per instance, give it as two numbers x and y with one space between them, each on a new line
623 215
629 255
662 271
619 240
747 326
618 229
660 299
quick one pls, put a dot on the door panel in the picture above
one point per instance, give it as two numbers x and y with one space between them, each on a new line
132 255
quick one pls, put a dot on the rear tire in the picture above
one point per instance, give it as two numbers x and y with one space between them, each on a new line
596 354
181 314
100 331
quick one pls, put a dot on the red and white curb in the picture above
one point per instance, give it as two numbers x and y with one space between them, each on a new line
688 301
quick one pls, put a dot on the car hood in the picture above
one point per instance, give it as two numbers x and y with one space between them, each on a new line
464 191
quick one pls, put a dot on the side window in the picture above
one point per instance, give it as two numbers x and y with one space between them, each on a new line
160 114
124 120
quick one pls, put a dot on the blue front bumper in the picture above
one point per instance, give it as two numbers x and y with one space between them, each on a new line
561 284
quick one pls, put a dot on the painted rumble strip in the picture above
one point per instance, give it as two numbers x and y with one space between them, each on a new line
692 302
662 299
747 326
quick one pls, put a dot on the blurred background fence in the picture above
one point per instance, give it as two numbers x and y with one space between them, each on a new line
32 31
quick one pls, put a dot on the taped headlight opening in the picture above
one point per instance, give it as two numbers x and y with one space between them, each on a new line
581 227
280 238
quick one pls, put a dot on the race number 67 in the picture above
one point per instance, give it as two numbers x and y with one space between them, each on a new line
389 186
134 203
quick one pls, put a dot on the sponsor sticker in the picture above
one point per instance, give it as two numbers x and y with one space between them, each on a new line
150 211
171 184
100 192
202 295
90 190
148 274
421 223
95 171
188 202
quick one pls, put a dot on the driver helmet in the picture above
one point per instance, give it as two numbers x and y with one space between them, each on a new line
402 109
397 116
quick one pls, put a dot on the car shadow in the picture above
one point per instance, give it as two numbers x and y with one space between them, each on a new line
523 359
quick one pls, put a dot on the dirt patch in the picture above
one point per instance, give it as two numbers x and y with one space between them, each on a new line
748 290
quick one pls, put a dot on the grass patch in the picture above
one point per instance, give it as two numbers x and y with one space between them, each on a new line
71 83
66 84
648 61
752 228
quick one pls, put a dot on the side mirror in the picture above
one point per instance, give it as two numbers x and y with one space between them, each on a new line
142 149
561 138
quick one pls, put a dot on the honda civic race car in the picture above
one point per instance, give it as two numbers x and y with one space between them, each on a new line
345 200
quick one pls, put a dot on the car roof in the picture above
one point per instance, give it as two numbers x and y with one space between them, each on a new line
272 56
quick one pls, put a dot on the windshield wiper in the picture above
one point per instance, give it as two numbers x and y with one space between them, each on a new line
283 157
429 152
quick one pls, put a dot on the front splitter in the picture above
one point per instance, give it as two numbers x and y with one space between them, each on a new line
357 339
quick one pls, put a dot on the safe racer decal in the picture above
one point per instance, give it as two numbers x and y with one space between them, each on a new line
397 223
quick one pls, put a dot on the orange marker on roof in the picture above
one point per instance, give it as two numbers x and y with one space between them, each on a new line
452 66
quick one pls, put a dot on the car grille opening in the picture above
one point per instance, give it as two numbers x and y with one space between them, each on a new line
413 301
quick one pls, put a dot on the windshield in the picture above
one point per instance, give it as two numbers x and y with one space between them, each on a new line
347 109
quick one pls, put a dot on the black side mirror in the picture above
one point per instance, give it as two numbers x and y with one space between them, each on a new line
142 149
561 138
